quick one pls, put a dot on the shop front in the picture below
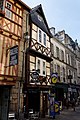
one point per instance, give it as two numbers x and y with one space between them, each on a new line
60 90
73 91
4 102
37 100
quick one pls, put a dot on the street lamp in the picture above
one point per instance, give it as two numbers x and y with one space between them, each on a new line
25 38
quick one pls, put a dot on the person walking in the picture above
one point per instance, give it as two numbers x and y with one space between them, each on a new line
67 103
73 104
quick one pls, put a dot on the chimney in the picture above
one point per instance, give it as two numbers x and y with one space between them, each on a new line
52 30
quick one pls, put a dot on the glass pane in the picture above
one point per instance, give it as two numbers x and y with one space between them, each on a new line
43 68
40 35
38 65
44 39
1 5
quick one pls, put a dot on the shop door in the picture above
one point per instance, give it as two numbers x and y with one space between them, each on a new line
4 98
34 101
45 104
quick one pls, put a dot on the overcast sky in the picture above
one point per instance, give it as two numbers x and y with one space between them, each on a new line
61 14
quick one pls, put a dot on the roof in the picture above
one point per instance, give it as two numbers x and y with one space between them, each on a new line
34 12
26 6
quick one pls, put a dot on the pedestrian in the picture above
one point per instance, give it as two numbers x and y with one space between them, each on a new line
73 104
67 103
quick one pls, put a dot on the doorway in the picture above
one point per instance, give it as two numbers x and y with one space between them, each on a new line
34 100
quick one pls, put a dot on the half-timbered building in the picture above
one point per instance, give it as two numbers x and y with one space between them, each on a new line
38 58
11 34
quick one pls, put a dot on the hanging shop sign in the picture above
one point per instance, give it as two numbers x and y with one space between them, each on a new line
54 77
34 75
13 56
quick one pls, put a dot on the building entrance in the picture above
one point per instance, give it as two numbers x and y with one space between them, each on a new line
4 99
34 101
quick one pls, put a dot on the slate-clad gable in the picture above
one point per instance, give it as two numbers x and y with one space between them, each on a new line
41 24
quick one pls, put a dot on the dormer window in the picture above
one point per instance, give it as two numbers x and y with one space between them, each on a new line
39 18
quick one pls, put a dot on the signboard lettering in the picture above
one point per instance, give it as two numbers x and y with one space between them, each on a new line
13 56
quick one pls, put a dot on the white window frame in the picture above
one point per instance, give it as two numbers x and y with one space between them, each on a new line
8 13
42 37
8 3
41 66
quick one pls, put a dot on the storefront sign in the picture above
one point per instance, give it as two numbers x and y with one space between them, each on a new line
13 56
57 107
34 75
54 77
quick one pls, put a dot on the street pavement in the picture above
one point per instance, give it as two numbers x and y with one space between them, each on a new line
67 114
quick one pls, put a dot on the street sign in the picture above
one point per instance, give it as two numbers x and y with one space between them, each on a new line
13 56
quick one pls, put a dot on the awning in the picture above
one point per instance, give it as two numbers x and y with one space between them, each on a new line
62 85
73 86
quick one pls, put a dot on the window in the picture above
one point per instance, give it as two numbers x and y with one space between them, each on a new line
44 39
58 71
62 55
52 49
38 65
41 37
40 18
57 52
44 67
9 5
63 74
41 66
68 59
8 13
1 5
78 69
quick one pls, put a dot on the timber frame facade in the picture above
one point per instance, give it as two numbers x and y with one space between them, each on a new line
38 58
12 14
